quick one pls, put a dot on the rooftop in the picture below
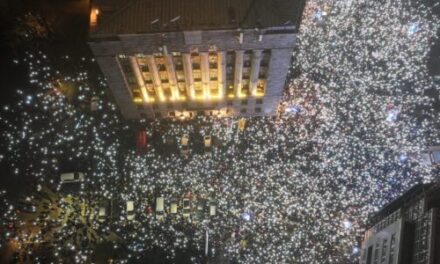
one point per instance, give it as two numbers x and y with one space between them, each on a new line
147 16
430 191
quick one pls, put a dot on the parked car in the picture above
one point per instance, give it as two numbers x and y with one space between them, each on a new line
207 141
102 214
160 208
212 207
241 124
173 207
186 207
142 142
200 210
184 142
72 177
130 210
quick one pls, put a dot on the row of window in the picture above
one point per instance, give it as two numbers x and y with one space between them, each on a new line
212 76
170 105
381 251
158 114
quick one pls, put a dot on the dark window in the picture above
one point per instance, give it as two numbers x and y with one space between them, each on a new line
161 67
144 68
258 110
143 115
436 156
155 106
169 105
179 67
140 107
157 114
244 102
259 101
243 111
172 113
229 103
370 255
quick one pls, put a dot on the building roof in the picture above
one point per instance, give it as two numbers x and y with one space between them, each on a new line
138 16
431 191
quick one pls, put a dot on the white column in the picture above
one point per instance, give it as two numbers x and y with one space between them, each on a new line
189 79
169 64
238 83
255 70
139 78
156 77
204 63
221 73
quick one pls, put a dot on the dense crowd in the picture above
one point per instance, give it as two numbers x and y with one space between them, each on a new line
295 188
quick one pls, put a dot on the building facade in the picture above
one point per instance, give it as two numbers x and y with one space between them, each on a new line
179 59
406 231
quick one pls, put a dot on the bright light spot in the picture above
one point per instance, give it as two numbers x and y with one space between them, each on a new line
356 250
347 224
246 216
413 28
392 116
294 109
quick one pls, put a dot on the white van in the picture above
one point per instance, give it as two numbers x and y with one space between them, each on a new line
102 214
173 209
159 208
212 208
130 210
72 177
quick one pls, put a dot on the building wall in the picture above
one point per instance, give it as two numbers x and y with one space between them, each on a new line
415 234
382 247
110 52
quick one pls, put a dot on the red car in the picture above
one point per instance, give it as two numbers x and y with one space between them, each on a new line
141 142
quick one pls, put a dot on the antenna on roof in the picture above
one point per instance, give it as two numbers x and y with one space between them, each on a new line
155 24
175 19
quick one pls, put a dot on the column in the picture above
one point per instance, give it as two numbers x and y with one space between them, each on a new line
139 78
189 79
169 64
221 73
238 77
156 77
204 66
255 70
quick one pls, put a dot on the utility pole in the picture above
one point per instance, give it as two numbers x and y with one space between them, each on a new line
206 242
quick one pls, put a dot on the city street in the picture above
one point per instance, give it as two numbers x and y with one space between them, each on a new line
357 117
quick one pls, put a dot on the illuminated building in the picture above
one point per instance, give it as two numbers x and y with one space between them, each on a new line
173 58
406 231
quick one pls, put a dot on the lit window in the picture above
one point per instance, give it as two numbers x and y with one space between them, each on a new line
94 13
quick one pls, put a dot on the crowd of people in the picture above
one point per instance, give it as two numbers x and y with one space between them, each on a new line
295 188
